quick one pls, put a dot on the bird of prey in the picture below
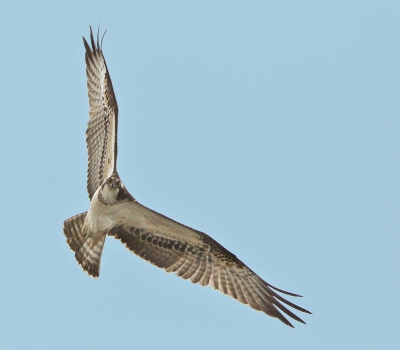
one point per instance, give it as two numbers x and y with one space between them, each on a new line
163 242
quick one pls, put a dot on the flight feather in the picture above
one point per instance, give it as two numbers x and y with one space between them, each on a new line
194 255
101 133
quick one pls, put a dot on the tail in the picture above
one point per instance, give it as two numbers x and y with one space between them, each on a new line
87 249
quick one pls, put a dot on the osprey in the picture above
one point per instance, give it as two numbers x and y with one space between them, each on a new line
163 242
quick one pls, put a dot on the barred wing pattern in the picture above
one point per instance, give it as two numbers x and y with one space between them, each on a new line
194 255
101 134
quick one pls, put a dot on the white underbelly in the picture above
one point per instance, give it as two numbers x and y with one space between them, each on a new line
101 217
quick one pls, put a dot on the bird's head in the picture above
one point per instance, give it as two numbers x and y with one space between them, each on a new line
113 191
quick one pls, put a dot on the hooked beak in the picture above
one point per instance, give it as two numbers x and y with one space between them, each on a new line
113 185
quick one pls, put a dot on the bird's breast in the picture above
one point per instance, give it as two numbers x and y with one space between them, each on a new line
100 217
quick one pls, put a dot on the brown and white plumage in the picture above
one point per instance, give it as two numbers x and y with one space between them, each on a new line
165 243
101 134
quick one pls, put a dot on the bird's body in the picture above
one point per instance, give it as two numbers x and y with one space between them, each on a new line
113 211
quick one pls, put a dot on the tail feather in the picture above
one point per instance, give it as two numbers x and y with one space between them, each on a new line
73 230
87 249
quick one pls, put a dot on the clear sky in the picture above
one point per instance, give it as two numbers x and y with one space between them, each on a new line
271 126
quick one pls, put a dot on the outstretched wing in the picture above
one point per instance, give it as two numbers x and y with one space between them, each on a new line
196 256
101 134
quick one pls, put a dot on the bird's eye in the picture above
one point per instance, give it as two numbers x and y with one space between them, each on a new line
118 184
109 181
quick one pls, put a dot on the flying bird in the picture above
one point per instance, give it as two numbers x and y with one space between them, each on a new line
163 242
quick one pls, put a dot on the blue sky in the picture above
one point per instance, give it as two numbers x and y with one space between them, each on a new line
274 127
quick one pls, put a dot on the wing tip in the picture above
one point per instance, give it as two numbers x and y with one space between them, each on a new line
96 44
